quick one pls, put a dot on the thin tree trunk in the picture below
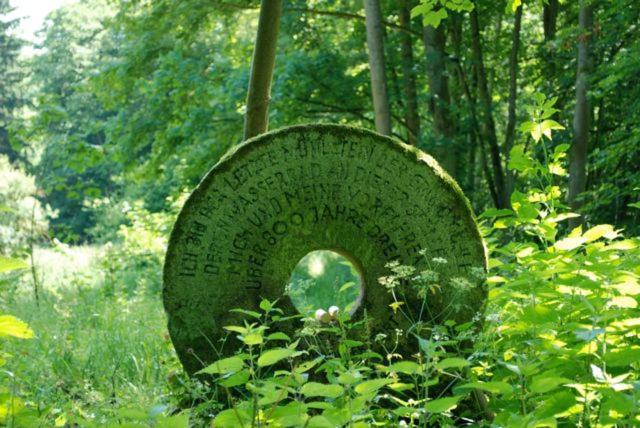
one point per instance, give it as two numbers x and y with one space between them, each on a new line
488 123
264 58
408 77
579 148
550 19
439 103
375 45
510 131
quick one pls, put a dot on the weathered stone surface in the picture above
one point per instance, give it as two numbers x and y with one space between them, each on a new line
277 197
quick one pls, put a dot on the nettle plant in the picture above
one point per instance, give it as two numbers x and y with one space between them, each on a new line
563 324
560 342
325 378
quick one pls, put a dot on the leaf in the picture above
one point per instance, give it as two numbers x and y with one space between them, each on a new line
315 389
246 312
556 168
272 356
598 373
441 405
547 125
232 418
407 367
12 326
518 159
369 386
252 339
175 421
225 365
448 363
556 404
265 305
623 302
599 231
562 217
8 264
236 379
545 383
622 357
568 244
235 328
346 286
278 336
434 17
495 387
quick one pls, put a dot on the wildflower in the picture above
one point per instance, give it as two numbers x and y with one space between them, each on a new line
333 312
322 316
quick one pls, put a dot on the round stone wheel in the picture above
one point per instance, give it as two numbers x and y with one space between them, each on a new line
273 199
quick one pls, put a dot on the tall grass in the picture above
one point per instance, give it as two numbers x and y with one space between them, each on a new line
95 350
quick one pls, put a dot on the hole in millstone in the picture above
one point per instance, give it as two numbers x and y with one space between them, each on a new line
322 279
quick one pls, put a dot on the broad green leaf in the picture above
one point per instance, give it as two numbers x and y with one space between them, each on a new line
434 17
8 264
236 328
555 404
236 379
455 362
495 387
547 125
253 339
441 405
315 389
272 356
246 312
599 231
278 336
320 421
568 244
623 356
545 383
407 367
232 418
623 302
12 326
225 365
629 286
346 286
369 386
176 421
265 305
518 159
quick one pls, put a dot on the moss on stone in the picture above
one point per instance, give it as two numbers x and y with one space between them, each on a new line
278 196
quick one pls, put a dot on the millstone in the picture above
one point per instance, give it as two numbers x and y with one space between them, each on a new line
275 198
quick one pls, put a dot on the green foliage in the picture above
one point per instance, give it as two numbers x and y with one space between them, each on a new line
22 217
434 11
323 279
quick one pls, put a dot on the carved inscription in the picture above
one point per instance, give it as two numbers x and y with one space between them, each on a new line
303 189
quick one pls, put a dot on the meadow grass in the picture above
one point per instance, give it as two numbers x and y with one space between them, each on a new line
96 350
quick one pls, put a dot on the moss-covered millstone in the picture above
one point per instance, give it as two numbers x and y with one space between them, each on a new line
275 198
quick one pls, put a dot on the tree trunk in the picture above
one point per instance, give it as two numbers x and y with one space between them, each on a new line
488 123
550 19
264 57
579 148
439 102
375 45
408 77
5 146
510 131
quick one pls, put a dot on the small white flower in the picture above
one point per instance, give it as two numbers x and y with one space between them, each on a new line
322 316
333 312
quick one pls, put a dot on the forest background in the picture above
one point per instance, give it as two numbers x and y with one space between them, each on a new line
121 108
